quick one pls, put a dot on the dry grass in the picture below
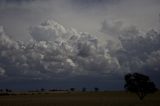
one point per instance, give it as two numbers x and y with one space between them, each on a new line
80 99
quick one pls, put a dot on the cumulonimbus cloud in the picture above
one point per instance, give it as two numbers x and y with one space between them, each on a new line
55 51
59 52
139 50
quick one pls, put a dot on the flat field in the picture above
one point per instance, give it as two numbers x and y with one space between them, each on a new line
80 99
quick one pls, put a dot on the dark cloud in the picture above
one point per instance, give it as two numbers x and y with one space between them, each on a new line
139 50
16 1
58 53
94 2
55 53
88 13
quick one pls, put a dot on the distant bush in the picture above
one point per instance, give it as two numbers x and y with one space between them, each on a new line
96 89
84 89
72 89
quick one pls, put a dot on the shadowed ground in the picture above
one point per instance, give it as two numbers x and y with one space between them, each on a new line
80 99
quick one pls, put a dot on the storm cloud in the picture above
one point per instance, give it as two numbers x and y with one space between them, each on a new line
55 51
83 39
138 50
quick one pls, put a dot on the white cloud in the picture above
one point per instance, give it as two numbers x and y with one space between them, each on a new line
2 71
138 51
48 31
61 52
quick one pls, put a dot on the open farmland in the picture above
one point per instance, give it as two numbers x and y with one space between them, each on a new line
80 99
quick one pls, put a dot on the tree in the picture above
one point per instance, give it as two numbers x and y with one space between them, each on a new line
83 89
72 89
42 89
139 84
1 90
96 89
8 90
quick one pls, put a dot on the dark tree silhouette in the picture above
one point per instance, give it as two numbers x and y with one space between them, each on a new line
139 84
72 89
42 89
83 89
96 89
8 90
1 90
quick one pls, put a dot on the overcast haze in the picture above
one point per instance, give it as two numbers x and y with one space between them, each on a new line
78 43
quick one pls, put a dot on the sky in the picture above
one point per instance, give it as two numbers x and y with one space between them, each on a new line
78 43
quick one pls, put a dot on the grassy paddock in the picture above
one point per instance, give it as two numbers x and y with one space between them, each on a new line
80 99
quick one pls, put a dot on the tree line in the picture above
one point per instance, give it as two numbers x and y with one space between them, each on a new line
136 83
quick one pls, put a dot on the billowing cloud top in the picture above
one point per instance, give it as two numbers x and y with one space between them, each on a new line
55 51
59 52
